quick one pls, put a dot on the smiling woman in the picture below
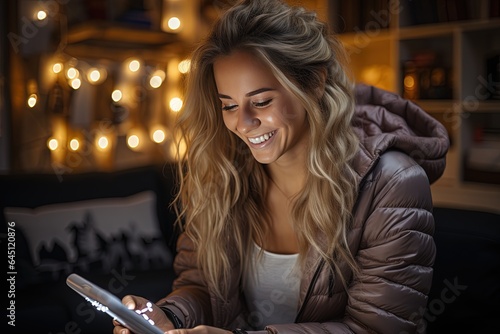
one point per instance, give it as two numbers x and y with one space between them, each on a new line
301 205
259 110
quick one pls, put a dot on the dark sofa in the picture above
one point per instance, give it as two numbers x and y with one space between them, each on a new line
93 218
116 229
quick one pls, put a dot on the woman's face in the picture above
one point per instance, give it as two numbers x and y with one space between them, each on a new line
259 110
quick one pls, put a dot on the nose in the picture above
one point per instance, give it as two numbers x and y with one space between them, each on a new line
247 120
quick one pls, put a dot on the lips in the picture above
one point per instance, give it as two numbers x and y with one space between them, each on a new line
262 139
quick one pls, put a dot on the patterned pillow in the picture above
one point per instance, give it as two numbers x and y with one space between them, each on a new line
92 236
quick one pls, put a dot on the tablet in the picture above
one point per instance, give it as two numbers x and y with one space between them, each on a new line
137 321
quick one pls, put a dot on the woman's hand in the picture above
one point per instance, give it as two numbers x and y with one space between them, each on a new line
138 303
199 330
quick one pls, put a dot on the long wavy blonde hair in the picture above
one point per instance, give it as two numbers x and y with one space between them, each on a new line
220 200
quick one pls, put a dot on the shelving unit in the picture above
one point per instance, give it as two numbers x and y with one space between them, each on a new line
453 46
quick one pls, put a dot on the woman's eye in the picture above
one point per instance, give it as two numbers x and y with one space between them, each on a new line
228 108
261 104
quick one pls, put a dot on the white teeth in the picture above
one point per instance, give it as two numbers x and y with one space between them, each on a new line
261 139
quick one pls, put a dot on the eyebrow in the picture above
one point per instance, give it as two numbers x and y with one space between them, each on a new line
252 93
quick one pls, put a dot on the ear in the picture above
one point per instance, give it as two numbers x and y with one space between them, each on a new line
320 90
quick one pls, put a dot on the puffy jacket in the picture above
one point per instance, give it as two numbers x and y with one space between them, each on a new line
402 151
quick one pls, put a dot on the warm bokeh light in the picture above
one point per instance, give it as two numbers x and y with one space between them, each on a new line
184 66
157 78
53 144
41 15
409 81
94 75
102 142
74 144
133 141
158 136
174 23
134 65
32 100
155 81
72 73
116 95
76 83
176 104
57 68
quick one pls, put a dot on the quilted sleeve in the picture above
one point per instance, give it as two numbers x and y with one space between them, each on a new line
396 252
189 300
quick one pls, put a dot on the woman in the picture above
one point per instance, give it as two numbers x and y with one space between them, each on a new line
305 203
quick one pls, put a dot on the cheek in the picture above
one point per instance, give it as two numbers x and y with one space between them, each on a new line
229 122
291 114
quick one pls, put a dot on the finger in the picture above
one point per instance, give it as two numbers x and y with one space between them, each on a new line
121 330
129 302
116 323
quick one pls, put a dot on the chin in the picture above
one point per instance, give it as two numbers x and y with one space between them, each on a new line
264 160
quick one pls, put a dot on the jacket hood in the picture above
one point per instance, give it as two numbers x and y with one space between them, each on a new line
385 121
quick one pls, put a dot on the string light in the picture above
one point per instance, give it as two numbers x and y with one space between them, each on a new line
174 23
176 104
72 73
158 136
94 75
53 144
76 83
116 95
74 144
57 68
134 65
102 142
133 141
157 78
32 100
184 66
41 15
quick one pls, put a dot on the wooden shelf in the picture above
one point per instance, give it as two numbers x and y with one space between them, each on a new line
113 41
123 36
461 49
487 106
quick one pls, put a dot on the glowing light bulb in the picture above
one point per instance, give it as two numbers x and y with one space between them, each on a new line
74 144
76 83
94 75
134 65
72 73
102 142
116 95
184 66
57 68
158 136
176 104
133 141
41 15
409 82
32 100
174 23
53 144
155 81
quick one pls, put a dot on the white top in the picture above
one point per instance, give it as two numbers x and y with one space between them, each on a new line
272 290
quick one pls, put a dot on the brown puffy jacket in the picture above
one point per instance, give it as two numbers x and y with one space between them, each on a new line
402 150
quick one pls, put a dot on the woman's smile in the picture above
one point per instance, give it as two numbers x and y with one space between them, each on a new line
259 110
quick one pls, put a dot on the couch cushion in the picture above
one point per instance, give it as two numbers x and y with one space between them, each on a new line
93 235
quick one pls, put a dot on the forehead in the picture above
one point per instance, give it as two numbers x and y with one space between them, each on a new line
241 72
